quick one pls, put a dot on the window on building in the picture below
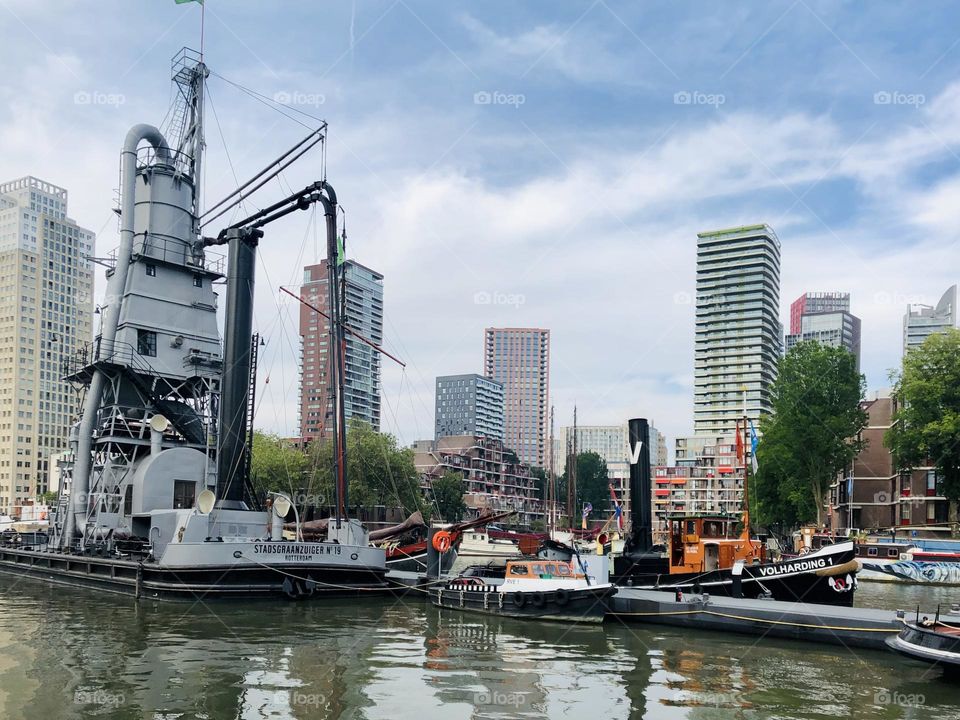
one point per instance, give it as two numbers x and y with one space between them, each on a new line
198 281
183 494
128 501
151 270
147 343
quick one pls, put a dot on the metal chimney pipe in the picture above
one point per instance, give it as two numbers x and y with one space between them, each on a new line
116 285
641 535
235 383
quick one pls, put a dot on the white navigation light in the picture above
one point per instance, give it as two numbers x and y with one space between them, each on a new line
205 501
281 505
159 423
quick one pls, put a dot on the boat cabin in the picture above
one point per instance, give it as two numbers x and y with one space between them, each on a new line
704 543
541 570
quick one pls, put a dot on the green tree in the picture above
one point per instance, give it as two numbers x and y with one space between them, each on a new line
378 471
926 428
277 464
540 480
448 497
592 483
812 435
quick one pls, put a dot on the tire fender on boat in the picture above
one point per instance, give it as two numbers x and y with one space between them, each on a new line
561 596
538 599
519 599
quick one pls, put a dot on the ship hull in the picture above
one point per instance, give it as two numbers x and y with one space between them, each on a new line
238 580
582 605
828 577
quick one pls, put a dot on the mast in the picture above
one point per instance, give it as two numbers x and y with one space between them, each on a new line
336 340
551 480
572 473
746 467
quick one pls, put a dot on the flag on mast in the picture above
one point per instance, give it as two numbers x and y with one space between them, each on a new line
740 448
181 2
618 514
754 441
587 509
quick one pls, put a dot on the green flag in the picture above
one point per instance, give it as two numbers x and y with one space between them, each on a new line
181 2
339 250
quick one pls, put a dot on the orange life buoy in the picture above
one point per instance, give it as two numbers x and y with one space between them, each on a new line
441 541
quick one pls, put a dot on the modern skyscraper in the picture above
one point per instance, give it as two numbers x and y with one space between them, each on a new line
738 333
813 303
364 313
469 405
519 359
46 315
824 318
922 321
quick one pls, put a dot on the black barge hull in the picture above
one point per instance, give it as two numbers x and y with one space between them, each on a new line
147 580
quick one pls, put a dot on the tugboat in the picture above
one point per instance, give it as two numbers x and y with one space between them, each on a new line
530 588
157 499
706 553
935 641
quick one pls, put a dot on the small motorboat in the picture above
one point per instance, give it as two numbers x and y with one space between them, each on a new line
530 588
934 641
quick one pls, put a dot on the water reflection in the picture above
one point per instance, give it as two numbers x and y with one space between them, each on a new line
71 654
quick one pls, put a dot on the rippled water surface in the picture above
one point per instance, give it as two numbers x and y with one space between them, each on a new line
78 654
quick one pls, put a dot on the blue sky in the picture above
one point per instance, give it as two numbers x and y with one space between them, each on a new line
614 132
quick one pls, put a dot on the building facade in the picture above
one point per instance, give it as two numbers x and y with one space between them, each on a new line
738 332
824 318
874 494
363 293
815 303
468 405
706 476
519 359
922 321
494 481
611 443
46 316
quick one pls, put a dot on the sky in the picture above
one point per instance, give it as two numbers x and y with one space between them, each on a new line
528 164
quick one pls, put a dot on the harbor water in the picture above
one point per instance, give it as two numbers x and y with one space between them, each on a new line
79 654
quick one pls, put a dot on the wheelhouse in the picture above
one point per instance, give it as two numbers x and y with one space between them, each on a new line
704 543
541 570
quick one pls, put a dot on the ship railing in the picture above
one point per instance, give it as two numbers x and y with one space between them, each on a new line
174 251
179 161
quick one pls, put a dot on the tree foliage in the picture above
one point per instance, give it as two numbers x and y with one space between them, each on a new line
592 483
812 434
276 464
448 497
378 471
926 429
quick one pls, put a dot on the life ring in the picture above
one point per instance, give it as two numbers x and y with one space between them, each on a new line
519 599
442 541
538 599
